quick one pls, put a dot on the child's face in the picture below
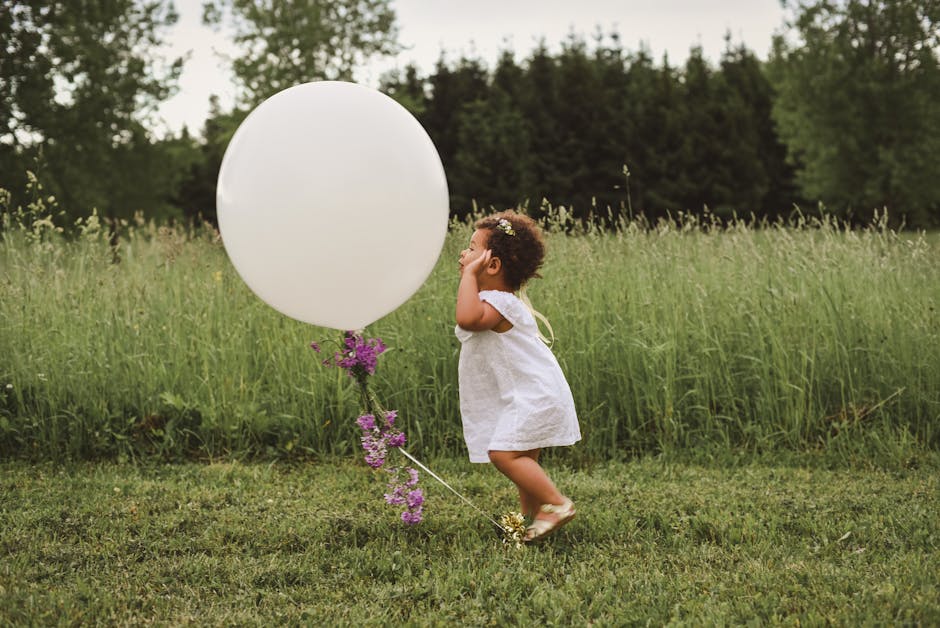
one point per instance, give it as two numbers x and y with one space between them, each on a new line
476 248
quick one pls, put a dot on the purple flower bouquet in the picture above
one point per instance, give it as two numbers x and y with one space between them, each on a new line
359 357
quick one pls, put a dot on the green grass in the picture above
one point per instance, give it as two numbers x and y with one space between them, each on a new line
681 337
654 542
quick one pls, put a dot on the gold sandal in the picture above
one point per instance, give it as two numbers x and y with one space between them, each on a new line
542 528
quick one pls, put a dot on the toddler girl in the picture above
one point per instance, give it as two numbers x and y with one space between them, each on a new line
514 399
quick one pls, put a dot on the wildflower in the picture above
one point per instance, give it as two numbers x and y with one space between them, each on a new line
396 497
376 450
402 494
358 356
366 422
411 518
415 498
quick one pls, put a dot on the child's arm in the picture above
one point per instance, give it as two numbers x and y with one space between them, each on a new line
472 313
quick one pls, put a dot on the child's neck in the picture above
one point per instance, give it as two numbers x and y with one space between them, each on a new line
494 282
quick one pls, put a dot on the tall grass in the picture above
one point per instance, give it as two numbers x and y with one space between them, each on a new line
679 336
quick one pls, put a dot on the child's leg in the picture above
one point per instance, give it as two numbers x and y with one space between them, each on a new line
530 504
535 487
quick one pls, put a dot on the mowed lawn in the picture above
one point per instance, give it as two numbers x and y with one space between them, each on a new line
655 541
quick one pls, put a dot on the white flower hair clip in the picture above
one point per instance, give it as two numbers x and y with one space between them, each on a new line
505 226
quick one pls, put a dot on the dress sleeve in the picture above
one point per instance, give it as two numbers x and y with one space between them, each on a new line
509 306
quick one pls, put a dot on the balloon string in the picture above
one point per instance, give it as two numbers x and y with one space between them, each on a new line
452 490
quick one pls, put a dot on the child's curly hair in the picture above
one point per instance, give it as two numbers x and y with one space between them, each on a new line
521 249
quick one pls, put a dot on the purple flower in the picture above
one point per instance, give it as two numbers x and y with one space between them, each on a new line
366 422
411 518
415 498
396 497
375 459
376 450
358 356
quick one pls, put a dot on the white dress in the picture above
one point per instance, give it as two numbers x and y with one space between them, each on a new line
513 395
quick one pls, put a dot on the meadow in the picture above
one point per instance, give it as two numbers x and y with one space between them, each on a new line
685 336
760 409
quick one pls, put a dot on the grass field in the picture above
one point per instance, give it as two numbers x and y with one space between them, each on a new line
682 336
760 410
654 542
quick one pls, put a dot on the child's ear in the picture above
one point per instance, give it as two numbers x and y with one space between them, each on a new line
494 266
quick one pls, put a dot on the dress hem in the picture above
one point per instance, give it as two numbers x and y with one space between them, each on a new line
496 447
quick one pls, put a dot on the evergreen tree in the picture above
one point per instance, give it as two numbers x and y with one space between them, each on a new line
451 92
538 104
703 177
609 136
642 131
765 179
196 194
575 116
492 163
668 182
408 89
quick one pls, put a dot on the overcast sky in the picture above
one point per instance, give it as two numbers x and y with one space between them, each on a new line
482 28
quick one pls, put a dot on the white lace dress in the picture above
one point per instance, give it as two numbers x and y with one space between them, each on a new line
513 395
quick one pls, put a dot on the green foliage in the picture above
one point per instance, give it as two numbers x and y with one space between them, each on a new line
195 196
285 43
452 92
845 115
858 104
78 82
682 336
654 542
564 127
496 129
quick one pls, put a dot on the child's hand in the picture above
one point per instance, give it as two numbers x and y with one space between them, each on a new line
478 265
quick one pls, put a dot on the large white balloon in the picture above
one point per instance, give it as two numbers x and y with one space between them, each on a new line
332 203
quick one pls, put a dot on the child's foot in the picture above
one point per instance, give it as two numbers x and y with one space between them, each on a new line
549 518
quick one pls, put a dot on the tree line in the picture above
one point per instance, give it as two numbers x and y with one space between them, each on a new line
844 114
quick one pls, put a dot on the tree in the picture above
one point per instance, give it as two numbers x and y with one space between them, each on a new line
195 195
408 89
858 104
663 135
78 82
765 183
287 42
703 177
451 92
491 165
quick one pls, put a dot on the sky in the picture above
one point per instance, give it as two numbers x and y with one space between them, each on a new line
482 29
